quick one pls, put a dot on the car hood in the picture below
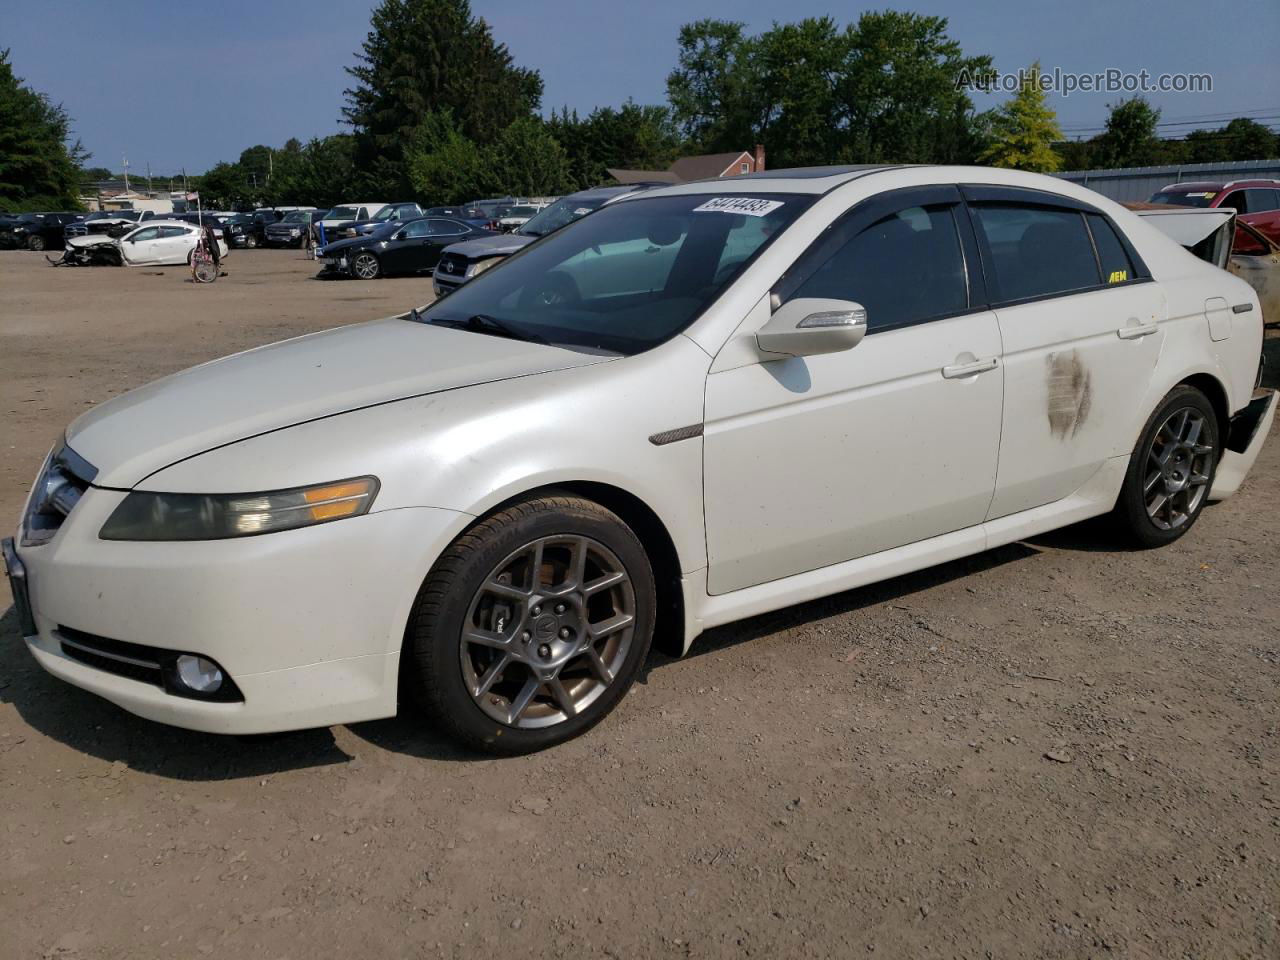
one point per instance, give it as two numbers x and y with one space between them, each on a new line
499 244
340 246
90 240
133 435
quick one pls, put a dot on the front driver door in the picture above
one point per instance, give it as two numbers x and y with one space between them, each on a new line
442 234
142 246
810 461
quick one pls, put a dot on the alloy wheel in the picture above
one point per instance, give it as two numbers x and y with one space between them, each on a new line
365 266
1178 468
548 631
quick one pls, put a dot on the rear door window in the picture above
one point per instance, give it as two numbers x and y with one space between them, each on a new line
1237 201
1036 251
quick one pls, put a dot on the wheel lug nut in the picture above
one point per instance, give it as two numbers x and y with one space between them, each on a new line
526 636
536 611
559 608
544 650
564 633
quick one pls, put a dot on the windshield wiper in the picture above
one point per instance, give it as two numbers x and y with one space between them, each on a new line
483 323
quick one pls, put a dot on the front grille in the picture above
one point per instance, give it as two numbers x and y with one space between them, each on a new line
65 478
452 266
134 661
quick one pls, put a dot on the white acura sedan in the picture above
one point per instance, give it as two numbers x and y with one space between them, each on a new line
692 406
156 242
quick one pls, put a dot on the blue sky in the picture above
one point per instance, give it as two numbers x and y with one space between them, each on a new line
178 85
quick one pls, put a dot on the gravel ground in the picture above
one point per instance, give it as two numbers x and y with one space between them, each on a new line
1062 748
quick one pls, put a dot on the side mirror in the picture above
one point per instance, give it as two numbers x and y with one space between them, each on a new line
398 235
810 326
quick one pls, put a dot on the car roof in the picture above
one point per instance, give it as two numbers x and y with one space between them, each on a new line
788 180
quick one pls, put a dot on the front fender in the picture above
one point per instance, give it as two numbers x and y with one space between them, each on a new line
470 449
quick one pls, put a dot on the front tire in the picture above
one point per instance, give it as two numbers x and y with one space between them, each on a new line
250 242
1172 469
532 626
366 266
35 243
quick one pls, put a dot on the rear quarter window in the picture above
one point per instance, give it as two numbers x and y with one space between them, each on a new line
1112 256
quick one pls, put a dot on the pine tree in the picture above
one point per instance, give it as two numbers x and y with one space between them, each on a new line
39 169
1024 130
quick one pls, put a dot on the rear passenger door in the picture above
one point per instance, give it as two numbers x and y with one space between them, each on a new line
1080 322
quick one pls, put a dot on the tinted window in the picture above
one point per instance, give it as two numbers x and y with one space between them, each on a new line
148 233
1237 200
626 278
904 268
1036 251
417 228
172 231
1260 201
445 228
1112 256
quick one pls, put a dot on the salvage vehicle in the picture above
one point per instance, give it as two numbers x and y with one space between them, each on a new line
158 242
472 215
700 404
1256 202
411 247
112 223
462 261
335 222
292 229
36 231
391 213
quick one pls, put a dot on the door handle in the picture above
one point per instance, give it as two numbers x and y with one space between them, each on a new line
957 370
1133 330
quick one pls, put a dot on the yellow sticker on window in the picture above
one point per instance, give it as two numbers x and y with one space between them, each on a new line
1118 276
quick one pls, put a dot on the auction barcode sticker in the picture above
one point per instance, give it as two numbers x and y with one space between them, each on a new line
751 206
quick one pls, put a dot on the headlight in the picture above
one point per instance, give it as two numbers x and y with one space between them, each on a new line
484 265
198 516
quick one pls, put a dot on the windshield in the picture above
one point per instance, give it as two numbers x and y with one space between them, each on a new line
1198 198
626 279
342 213
386 213
297 216
519 211
557 215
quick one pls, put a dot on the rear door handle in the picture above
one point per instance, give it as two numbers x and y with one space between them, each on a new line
1135 330
957 370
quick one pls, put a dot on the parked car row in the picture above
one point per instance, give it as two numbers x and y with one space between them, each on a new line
36 231
1256 202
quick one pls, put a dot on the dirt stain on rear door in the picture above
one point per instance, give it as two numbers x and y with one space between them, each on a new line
1070 393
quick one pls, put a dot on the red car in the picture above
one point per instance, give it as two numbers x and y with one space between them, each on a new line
1256 202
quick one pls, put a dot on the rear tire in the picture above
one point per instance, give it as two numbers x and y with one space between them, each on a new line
561 595
1172 469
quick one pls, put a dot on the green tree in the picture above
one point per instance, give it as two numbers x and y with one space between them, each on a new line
1129 139
1241 139
39 162
884 89
424 56
1024 130
632 136
444 166
527 160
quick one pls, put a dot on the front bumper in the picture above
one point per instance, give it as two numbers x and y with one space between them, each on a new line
1247 433
308 623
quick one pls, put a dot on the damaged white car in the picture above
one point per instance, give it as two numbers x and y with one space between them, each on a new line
154 243
697 404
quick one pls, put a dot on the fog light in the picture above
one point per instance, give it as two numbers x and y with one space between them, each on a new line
199 674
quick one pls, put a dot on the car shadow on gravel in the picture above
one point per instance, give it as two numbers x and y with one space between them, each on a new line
93 726
850 601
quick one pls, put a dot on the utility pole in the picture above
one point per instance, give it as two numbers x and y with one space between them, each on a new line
126 174
148 178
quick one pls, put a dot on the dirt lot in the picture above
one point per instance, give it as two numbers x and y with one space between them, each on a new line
1062 748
